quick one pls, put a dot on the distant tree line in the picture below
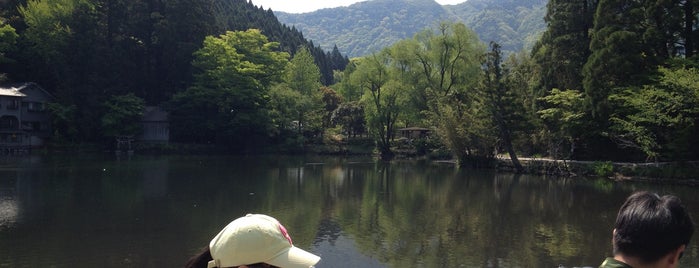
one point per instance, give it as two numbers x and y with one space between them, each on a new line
608 80
86 52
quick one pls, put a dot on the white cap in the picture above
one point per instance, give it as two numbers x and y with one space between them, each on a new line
257 238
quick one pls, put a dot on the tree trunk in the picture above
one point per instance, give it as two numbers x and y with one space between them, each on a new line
507 142
688 24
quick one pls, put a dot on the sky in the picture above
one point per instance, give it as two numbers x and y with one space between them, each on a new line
301 6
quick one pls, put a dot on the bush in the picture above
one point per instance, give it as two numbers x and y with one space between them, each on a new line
603 169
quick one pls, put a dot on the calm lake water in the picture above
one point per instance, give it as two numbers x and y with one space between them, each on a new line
157 211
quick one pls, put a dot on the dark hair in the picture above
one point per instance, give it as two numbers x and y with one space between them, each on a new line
649 226
202 259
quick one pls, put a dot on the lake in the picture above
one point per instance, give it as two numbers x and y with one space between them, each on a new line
104 210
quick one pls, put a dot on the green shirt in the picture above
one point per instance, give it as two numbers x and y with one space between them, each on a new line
612 263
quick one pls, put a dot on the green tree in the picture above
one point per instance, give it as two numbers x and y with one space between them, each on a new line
284 105
346 88
62 118
619 57
407 70
122 116
564 47
350 115
8 40
449 62
48 35
331 101
501 102
660 119
564 120
380 99
303 76
228 103
522 76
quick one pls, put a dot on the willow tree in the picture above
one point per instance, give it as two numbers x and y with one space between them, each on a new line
382 98
449 62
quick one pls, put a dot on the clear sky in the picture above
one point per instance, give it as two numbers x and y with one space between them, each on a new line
301 6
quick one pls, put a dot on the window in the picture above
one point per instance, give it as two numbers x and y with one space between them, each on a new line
13 105
9 122
35 106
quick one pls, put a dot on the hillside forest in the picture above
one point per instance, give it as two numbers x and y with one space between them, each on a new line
369 26
607 80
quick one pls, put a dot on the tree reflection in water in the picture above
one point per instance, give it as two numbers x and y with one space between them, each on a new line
155 211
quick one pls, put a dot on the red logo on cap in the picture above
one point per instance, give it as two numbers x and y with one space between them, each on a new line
285 234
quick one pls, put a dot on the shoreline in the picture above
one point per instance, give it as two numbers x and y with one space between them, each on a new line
684 172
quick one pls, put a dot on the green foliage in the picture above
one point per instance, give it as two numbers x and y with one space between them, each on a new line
564 47
331 101
603 169
382 100
62 118
303 76
240 15
350 115
449 67
284 103
659 119
122 116
8 40
345 85
229 101
85 51
628 41
370 26
564 119
500 100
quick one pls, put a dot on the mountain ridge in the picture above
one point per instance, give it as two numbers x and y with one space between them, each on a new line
369 26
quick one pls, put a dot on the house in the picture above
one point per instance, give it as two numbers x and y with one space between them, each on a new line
24 121
414 132
156 127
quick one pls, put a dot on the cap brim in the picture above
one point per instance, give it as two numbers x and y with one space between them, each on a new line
294 258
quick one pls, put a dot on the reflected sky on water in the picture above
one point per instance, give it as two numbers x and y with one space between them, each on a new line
157 211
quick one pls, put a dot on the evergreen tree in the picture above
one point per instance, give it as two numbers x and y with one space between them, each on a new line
564 47
501 102
303 76
619 56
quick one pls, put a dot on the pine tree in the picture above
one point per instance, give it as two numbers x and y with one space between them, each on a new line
619 56
564 46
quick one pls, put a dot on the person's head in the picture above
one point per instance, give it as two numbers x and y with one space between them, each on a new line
254 240
650 227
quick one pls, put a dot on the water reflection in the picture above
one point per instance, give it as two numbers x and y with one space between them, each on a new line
142 211
9 209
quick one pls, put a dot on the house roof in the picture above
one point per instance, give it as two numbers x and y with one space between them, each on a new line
414 129
11 91
20 89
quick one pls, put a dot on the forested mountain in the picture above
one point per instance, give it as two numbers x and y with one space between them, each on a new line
367 27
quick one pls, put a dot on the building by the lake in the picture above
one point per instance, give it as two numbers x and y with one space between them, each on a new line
24 121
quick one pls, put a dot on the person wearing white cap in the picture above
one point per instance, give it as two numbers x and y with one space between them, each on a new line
254 240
